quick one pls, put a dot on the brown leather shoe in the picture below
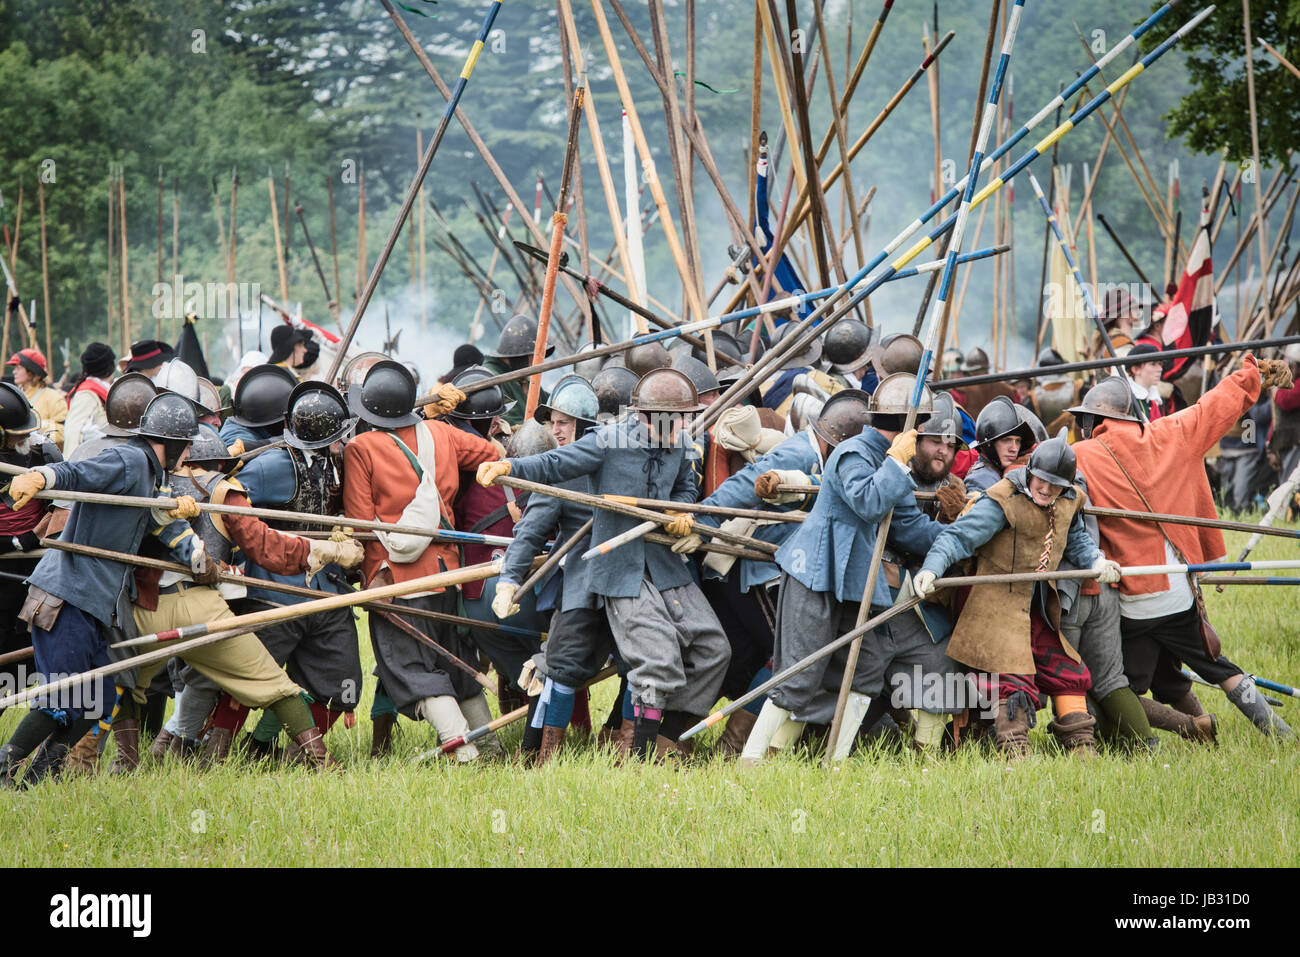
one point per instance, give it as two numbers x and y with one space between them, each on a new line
308 749
1011 735
735 734
552 738
126 733
161 742
1073 732
1200 728
84 756
217 747
626 732
1207 729
1189 704
381 740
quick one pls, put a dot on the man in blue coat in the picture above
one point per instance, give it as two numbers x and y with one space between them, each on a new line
676 651
824 565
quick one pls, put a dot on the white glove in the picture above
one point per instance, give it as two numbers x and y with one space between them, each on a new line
923 584
685 546
1109 570
503 604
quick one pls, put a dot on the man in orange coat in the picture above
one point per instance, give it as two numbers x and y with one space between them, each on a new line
406 470
1157 467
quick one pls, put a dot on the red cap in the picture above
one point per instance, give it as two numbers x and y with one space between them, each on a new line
33 360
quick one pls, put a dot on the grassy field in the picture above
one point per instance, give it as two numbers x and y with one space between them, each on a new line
1186 806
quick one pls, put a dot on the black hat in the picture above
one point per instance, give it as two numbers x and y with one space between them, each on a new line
283 339
386 397
1144 349
146 354
98 360
464 357
16 413
262 396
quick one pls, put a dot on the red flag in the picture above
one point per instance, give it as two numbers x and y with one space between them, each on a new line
1190 318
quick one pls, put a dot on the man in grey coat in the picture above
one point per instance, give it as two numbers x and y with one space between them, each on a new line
676 651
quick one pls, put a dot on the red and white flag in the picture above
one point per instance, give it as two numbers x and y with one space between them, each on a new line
1191 316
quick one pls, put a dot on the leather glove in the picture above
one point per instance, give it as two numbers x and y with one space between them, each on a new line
351 553
765 486
903 447
687 544
25 542
341 533
681 524
952 500
504 605
1275 372
236 448
529 681
324 551
780 477
24 486
448 398
202 568
1108 569
923 583
489 472
185 508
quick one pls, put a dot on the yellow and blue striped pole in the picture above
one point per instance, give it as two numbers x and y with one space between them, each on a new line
413 191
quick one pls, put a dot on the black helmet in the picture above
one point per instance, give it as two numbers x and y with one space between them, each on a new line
16 414
701 375
1049 357
1053 461
262 396
171 420
317 416
1001 418
482 404
945 421
844 415
125 403
386 397
518 339
208 449
847 345
613 386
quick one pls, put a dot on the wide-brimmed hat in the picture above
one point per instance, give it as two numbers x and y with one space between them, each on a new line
146 354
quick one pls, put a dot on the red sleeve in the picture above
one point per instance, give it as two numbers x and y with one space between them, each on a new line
1288 400
275 551
1202 425
358 500
471 450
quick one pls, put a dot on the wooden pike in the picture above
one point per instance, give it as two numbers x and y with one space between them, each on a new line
158 331
311 247
558 221
45 269
126 299
1262 231
279 252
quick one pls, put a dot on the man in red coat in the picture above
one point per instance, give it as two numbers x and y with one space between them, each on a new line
1157 467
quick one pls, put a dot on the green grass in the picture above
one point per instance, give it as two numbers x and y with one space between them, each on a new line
1187 806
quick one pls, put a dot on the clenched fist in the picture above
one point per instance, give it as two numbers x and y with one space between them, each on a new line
766 485
903 447
489 472
952 500
1275 372
185 508
448 397
681 524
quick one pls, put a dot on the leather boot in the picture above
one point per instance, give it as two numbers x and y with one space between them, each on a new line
10 760
736 733
1201 728
308 749
162 740
1189 704
1011 733
552 738
1073 732
84 757
623 741
217 747
126 734
47 762
381 739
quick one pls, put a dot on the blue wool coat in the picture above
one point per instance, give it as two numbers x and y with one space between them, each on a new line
620 461
94 584
831 550
797 452
544 515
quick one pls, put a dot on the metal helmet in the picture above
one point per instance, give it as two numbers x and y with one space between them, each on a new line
724 343
944 422
16 414
572 396
613 386
209 401
125 403
354 372
701 376
483 403
1049 357
976 361
1053 461
262 396
900 352
518 339
208 449
847 346
169 417
1033 422
646 357
317 416
587 368
1292 352
176 376
531 438
386 396
844 415
1000 418
893 396
951 363
807 356
1111 398
665 390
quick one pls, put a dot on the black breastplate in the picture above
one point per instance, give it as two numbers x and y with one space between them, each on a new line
319 489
